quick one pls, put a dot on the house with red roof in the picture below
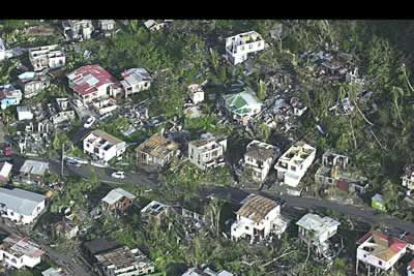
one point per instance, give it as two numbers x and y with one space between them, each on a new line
379 252
92 82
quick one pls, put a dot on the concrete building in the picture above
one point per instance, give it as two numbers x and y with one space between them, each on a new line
259 159
157 151
9 96
294 163
77 29
106 25
24 113
103 146
257 219
47 57
242 106
32 83
66 229
135 80
208 151
378 252
118 200
21 206
196 93
408 178
238 47
18 252
34 170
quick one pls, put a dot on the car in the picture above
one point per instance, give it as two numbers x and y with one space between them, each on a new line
118 175
89 122
73 163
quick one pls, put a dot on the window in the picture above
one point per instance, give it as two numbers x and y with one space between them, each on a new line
380 262
293 168
247 227
251 46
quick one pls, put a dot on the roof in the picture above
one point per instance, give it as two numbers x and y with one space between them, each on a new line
2 47
194 272
19 246
382 246
240 103
101 245
108 137
122 258
20 201
158 146
53 272
257 208
87 79
261 151
34 167
9 91
313 222
5 169
117 194
134 76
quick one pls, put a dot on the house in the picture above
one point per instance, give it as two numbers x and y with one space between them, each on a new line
66 229
377 202
242 106
92 82
104 105
106 25
257 219
97 246
2 50
32 83
24 113
379 252
157 151
408 178
5 171
259 159
294 163
77 29
34 170
410 268
135 80
103 146
54 272
124 261
118 200
21 206
337 171
155 211
18 252
45 57
61 113
238 47
206 271
196 93
208 151
156 25
9 96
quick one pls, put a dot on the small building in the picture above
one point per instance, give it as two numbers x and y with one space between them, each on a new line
316 230
106 25
408 178
47 57
156 25
97 246
157 151
21 206
2 50
379 252
61 113
34 170
196 93
9 96
103 146
24 112
135 80
259 159
377 202
18 252
66 229
257 219
92 82
104 105
206 271
54 272
238 47
118 200
293 164
242 106
77 29
33 83
208 151
124 261
5 171
155 211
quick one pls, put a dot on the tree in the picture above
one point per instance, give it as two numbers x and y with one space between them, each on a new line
261 92
390 193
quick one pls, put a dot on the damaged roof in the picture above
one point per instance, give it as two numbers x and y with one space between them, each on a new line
158 146
257 208
117 194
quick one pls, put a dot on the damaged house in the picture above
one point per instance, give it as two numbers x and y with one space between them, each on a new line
135 80
208 151
77 29
32 83
9 96
242 106
118 200
238 47
157 151
47 57
18 252
196 93
60 112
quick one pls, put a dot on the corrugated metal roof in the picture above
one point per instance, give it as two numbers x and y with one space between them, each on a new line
20 201
116 194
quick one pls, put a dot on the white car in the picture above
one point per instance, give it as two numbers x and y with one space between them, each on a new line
118 175
89 122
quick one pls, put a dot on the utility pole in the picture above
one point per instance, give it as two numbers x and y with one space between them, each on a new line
63 157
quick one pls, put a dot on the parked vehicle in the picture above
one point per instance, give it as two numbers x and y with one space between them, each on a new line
118 175
73 163
89 122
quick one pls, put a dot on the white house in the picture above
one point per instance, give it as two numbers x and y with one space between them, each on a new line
196 93
2 50
18 252
106 25
238 47
243 105
92 82
24 113
208 151
259 159
294 163
124 262
135 80
21 206
379 252
78 29
103 146
316 230
51 56
257 219
5 171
